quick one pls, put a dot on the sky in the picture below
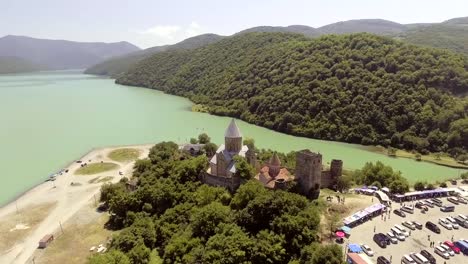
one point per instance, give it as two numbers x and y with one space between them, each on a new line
148 23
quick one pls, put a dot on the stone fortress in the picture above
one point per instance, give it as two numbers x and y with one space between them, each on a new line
309 173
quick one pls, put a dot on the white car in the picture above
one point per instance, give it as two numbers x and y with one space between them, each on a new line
392 237
367 250
463 217
443 222
399 235
441 252
448 250
453 222
409 225
403 230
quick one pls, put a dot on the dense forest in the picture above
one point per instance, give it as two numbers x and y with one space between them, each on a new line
172 217
357 88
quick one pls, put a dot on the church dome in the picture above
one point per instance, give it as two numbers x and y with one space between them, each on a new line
232 131
275 161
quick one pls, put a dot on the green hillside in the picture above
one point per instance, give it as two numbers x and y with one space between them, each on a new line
451 34
17 65
115 66
358 88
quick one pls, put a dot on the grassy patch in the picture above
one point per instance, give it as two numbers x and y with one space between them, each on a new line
13 228
95 168
73 245
200 108
101 179
124 154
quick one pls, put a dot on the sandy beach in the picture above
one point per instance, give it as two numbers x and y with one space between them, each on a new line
61 198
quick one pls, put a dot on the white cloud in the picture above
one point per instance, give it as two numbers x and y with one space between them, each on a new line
169 34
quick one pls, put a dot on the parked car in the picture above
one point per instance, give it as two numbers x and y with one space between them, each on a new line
436 202
429 203
443 222
382 260
403 230
452 247
433 227
422 206
399 213
408 209
367 250
461 221
453 182
462 200
447 208
409 225
429 256
463 217
452 221
448 250
453 200
441 252
417 225
420 259
381 240
407 260
399 235
393 238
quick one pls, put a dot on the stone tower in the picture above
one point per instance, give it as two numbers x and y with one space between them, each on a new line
251 157
308 170
233 138
336 168
274 165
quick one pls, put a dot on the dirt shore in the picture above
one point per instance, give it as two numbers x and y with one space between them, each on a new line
69 193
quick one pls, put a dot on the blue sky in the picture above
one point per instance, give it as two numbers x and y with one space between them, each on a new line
148 23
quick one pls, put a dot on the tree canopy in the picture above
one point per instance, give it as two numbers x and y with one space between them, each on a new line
357 88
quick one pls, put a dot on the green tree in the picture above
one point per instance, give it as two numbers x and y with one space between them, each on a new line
203 138
193 141
111 257
204 220
419 186
321 254
246 193
269 248
140 254
210 149
243 169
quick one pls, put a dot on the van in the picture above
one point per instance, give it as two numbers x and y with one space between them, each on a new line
441 252
382 260
409 225
447 208
462 245
453 200
398 234
402 229
461 221
408 209
433 227
380 240
436 201
407 260
420 259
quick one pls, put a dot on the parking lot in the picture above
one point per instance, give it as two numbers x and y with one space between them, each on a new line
418 239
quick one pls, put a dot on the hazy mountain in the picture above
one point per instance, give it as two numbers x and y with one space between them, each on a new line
17 65
375 26
117 65
300 29
61 54
451 34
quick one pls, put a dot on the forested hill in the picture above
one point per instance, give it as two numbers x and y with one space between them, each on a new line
17 65
357 88
118 65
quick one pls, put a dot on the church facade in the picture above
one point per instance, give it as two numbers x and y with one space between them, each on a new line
309 171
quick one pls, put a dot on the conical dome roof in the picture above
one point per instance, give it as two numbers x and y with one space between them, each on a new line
274 160
232 131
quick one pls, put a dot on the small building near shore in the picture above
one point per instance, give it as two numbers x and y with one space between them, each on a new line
46 240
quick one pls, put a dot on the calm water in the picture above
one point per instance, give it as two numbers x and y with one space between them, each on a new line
49 119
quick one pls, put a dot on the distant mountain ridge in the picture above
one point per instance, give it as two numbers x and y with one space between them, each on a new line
118 65
451 34
61 54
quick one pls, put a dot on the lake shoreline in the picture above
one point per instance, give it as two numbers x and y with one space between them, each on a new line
70 191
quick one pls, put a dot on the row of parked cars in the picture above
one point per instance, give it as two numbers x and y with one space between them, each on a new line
396 233
445 250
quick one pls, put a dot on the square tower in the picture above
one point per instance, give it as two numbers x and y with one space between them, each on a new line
308 170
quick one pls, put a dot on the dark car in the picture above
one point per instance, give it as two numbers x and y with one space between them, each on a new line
381 240
383 260
433 227
399 212
429 257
